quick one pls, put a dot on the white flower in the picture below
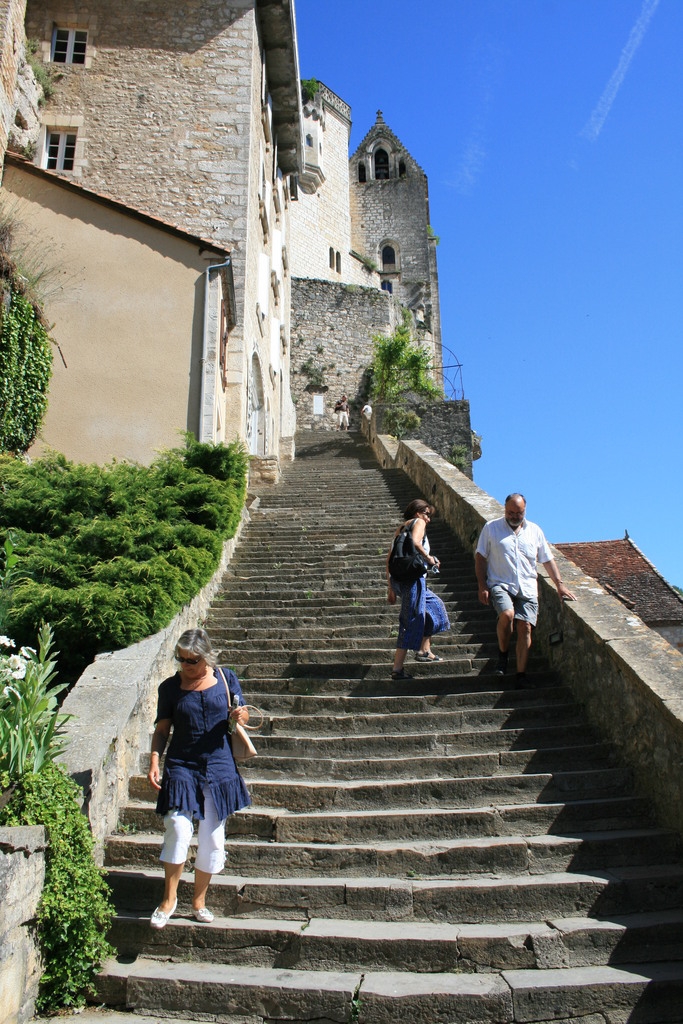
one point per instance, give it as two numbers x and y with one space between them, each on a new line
17 666
27 652
6 642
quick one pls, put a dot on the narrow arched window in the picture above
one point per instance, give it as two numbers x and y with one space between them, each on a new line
401 168
381 164
309 141
361 172
331 258
338 263
388 257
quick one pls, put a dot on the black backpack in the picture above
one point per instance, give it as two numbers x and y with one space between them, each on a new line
405 563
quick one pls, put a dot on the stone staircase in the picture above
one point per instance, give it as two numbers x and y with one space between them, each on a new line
446 850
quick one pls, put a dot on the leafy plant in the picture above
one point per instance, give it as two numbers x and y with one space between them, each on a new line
315 373
40 72
26 357
400 365
458 456
30 721
75 910
399 421
309 88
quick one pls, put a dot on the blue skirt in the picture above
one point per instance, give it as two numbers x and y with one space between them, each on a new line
422 614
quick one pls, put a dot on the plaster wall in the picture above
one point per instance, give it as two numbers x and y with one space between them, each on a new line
126 300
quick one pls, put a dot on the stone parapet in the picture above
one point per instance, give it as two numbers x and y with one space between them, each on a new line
629 679
114 705
22 873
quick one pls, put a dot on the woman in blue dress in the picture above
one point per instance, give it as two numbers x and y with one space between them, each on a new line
422 613
200 779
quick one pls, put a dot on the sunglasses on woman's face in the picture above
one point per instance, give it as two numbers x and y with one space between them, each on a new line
187 661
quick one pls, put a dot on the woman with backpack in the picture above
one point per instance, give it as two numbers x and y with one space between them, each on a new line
422 613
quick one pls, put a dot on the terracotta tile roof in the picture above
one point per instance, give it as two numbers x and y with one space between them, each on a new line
622 569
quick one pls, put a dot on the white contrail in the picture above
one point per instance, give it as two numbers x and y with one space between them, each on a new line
593 126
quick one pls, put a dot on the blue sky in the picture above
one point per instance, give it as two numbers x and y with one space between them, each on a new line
551 132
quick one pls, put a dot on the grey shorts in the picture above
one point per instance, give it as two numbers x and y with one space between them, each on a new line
526 608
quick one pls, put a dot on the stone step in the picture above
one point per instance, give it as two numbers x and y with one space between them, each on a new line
234 994
473 899
268 766
425 683
323 944
405 825
487 854
459 720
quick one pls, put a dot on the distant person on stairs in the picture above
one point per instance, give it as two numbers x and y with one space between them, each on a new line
342 411
200 779
505 564
422 613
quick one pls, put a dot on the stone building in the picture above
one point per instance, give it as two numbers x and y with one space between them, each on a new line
190 113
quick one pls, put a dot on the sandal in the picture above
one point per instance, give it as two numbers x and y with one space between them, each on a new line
401 674
427 657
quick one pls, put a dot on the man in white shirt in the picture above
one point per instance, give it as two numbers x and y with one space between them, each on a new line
505 561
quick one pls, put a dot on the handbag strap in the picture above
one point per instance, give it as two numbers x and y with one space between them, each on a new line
249 707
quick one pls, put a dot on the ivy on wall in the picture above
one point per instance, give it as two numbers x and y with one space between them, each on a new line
26 359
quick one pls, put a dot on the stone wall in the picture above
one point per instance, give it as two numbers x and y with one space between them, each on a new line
22 873
627 677
332 328
442 425
11 57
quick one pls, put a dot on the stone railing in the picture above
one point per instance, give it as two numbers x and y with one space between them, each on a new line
114 705
22 872
629 679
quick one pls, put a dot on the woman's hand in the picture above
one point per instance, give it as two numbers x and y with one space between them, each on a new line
240 715
391 595
153 775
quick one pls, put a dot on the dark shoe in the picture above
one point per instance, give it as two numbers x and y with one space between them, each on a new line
502 664
427 657
521 680
400 675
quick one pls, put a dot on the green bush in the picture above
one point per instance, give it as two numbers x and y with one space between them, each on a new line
399 421
399 364
26 358
75 911
110 554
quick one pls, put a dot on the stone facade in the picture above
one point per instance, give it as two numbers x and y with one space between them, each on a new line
12 50
192 113
390 225
321 217
22 873
332 328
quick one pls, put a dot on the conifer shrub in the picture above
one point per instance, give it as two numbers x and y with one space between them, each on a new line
110 554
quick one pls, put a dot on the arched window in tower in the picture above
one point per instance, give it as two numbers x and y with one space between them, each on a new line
309 141
401 168
381 164
361 172
388 257
331 258
338 262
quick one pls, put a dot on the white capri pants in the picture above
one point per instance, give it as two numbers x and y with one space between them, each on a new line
210 834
